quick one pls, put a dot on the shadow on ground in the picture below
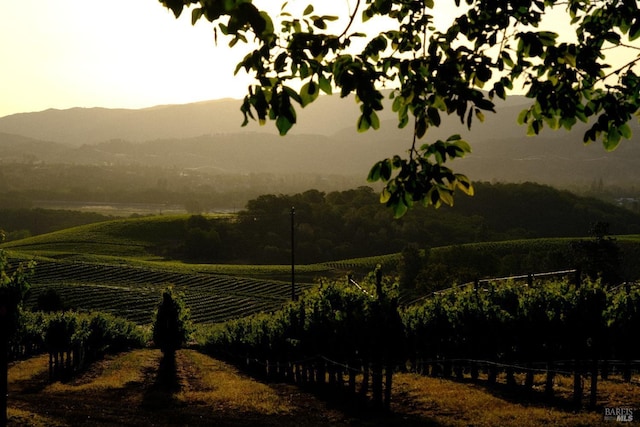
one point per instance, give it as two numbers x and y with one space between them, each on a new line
154 398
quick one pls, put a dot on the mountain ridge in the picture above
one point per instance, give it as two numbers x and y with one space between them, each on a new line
208 134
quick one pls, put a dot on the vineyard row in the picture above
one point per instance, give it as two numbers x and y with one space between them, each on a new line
134 292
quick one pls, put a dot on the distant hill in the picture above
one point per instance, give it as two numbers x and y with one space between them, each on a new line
344 225
78 126
207 136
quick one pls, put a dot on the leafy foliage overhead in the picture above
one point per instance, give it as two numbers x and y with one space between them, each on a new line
490 49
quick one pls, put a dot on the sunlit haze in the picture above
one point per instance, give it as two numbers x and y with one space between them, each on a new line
116 54
120 54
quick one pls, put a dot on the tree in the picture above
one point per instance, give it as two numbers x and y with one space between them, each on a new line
13 289
202 242
172 326
411 263
492 47
598 258
49 301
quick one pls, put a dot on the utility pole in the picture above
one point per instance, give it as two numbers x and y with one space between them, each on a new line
293 257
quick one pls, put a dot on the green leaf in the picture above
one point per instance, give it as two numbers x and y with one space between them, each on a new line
612 37
547 38
385 196
590 135
196 14
375 172
267 25
522 117
439 103
534 128
434 116
463 146
432 198
363 124
366 15
381 171
611 139
325 84
319 23
498 87
400 207
625 130
385 169
304 70
464 184
283 124
308 10
570 59
483 74
421 127
280 62
634 31
507 59
553 122
176 6
568 122
445 195
375 121
292 94
308 93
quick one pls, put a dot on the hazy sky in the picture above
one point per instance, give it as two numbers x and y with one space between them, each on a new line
120 54
108 53
116 53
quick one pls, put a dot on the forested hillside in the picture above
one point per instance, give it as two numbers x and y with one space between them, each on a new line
349 224
352 223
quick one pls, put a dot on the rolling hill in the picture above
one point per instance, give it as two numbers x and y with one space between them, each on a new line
113 267
207 136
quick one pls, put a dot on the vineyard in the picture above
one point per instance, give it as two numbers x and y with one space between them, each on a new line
134 292
553 339
534 337
528 334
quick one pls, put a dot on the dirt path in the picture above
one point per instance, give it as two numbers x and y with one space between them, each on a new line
127 390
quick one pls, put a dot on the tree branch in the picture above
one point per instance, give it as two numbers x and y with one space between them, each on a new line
351 19
616 71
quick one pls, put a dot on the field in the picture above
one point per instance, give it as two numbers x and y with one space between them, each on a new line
114 267
126 389
133 292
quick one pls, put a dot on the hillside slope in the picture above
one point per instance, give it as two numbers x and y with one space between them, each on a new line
208 136
338 225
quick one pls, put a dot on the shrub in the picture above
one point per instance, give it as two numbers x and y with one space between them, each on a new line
172 327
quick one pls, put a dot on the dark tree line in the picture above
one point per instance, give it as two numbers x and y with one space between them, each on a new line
24 222
351 224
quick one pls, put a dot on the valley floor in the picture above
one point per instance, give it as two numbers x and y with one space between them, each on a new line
126 390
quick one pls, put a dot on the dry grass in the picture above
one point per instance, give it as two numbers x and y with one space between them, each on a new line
127 390
450 403
209 381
